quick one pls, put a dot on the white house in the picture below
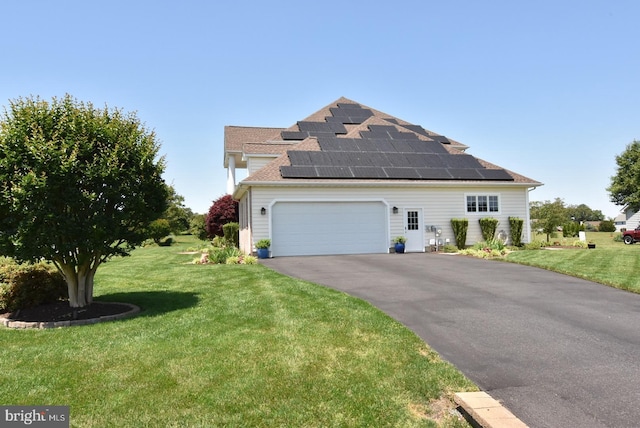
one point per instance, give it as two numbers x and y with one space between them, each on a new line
349 179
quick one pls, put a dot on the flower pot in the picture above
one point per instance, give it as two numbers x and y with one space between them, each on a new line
399 248
263 253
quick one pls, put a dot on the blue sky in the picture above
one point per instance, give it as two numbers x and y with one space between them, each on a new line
549 89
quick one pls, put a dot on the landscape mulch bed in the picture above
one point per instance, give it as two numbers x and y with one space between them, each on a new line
61 311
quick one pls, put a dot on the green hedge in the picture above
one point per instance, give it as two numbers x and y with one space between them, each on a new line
28 285
460 227
488 226
516 225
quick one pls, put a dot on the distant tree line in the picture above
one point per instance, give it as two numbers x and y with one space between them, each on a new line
548 216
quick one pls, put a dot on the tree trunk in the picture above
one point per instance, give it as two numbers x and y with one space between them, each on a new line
79 283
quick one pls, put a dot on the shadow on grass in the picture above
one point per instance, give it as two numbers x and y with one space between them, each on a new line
153 303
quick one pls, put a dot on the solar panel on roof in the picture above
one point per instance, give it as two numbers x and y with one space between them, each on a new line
333 172
402 173
460 161
293 135
368 172
464 174
419 146
416 128
440 139
382 145
350 106
401 146
298 172
433 173
495 174
299 158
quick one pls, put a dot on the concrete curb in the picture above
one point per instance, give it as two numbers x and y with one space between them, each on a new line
487 411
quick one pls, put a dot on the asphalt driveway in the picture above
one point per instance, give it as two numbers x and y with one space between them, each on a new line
555 350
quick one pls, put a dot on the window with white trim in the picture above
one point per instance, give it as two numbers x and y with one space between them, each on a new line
483 204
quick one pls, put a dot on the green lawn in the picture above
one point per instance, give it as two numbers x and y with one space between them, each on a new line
229 346
612 263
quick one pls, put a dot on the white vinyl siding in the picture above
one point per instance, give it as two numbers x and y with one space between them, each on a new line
254 163
439 205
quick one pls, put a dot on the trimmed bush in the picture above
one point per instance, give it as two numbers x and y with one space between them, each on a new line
231 233
28 285
460 227
488 226
516 226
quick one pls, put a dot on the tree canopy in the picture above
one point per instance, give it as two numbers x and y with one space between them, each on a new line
625 185
224 210
78 185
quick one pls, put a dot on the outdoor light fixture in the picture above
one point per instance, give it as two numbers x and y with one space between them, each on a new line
395 210
263 211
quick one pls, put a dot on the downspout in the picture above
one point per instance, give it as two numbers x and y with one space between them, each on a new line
528 215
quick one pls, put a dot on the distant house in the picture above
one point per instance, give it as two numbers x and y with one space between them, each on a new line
629 219
349 178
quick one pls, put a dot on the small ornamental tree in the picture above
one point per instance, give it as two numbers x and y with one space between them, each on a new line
224 210
78 185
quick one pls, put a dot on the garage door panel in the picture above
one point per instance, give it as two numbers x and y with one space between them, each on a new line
317 228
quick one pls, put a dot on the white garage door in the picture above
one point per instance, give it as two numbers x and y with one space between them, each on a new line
319 228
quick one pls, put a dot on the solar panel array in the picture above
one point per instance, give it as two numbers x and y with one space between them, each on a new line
381 152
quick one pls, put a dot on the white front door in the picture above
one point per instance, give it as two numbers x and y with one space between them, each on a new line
413 230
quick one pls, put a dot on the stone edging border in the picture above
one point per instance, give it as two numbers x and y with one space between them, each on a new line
55 324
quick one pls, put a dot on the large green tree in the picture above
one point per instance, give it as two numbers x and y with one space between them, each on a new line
548 215
78 185
625 185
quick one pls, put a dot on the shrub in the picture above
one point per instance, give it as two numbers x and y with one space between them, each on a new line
220 255
197 226
607 226
231 233
460 227
233 260
570 229
493 244
250 260
618 237
159 229
224 210
449 249
488 226
515 230
535 245
28 285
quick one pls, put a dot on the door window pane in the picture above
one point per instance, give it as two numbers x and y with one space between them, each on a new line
412 220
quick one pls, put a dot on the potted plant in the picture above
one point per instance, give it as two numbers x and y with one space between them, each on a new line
591 245
399 242
262 248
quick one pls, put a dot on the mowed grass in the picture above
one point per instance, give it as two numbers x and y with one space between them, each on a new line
229 346
611 263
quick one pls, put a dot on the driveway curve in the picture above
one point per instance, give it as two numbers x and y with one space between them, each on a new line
555 350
